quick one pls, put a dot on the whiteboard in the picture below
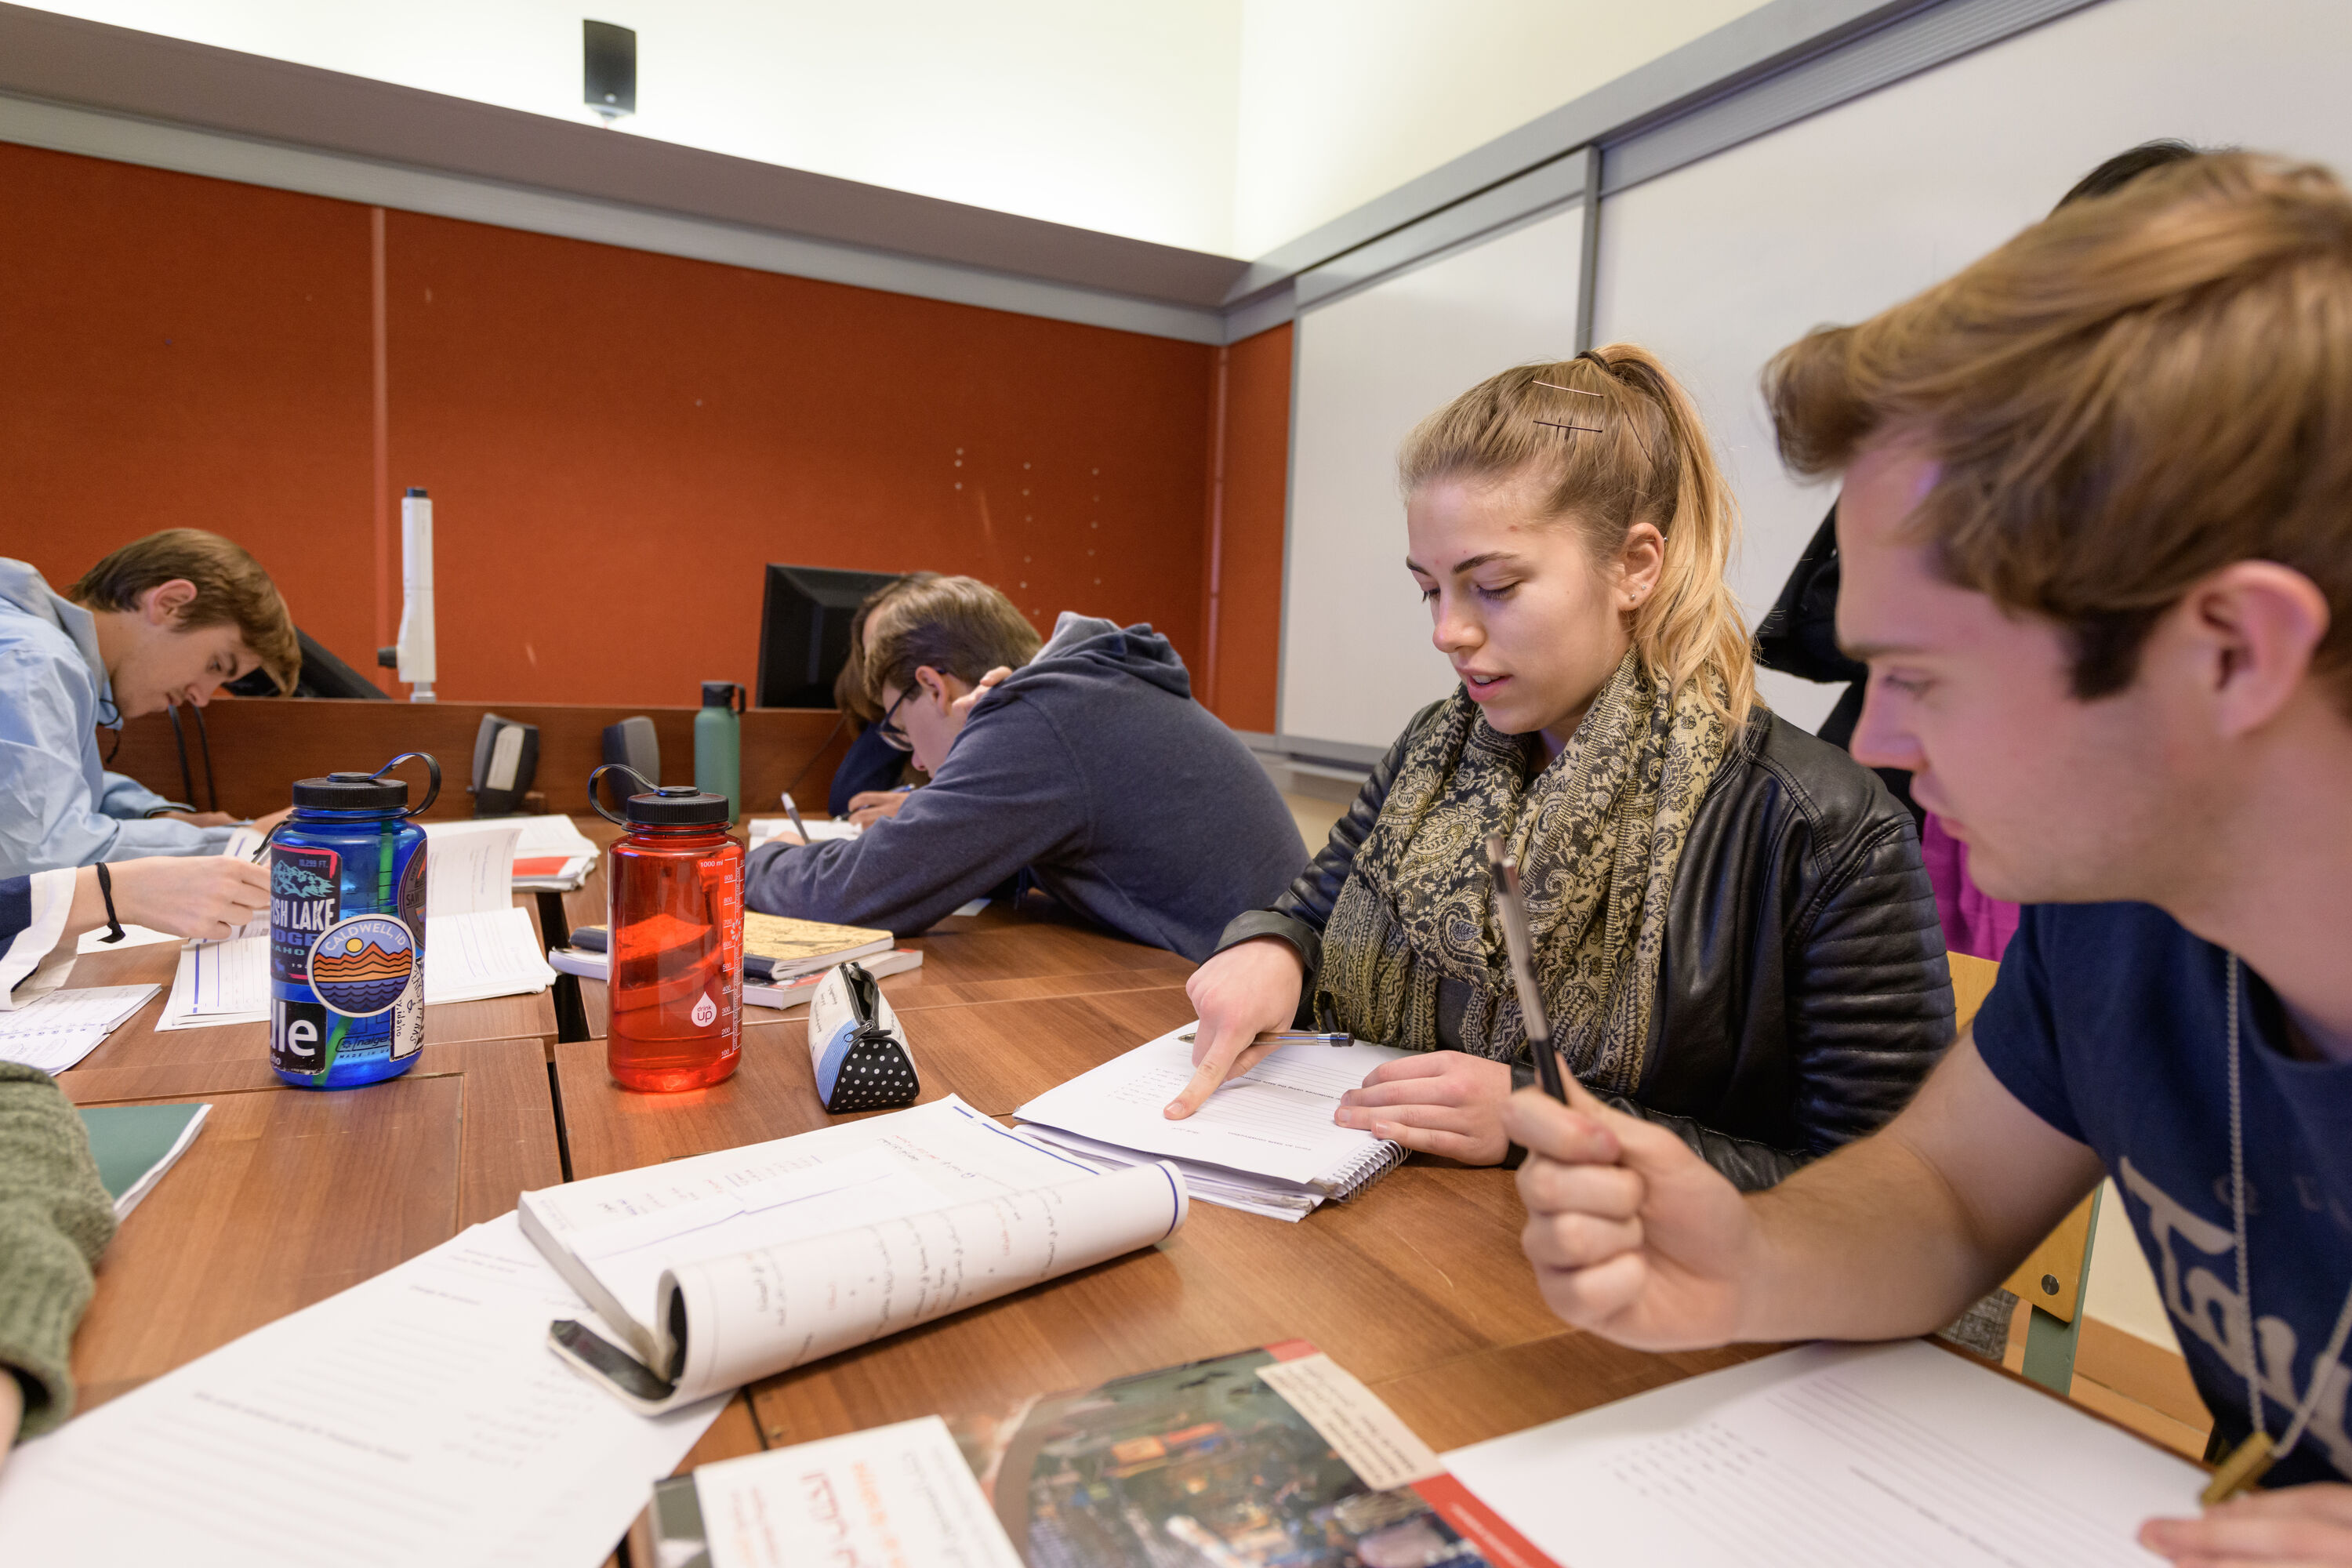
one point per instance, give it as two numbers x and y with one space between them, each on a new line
1357 660
1720 263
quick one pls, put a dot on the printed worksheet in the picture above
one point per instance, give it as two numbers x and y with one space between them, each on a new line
1833 1455
416 1418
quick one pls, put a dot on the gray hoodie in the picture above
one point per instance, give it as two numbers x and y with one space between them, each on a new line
58 806
1092 767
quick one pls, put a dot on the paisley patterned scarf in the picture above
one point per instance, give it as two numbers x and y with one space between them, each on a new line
1596 834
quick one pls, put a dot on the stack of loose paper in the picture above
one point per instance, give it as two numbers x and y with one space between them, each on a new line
551 854
1833 1455
738 1265
478 943
58 1029
1265 1142
415 1418
134 1145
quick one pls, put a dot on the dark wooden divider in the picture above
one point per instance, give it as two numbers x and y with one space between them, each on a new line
260 745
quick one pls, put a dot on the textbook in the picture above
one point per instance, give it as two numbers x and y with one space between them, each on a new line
134 1145
1265 1142
734 1266
1270 1456
587 959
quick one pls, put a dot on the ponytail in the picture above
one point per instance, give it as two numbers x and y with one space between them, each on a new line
1635 451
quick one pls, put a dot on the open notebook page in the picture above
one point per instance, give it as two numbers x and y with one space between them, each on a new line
1274 1120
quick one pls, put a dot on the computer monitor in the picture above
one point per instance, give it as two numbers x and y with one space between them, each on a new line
805 632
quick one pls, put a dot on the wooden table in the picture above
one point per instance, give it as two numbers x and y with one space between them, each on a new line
288 1195
1418 1287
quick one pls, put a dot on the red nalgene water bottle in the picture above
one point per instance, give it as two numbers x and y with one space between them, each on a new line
674 913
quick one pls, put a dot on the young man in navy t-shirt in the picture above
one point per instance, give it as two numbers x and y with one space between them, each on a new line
2096 541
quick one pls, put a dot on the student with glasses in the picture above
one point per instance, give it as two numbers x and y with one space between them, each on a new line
1083 763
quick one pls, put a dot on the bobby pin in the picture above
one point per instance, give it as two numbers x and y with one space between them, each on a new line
1578 390
1588 429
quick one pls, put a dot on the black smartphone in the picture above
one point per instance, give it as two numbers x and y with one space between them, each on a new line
632 1375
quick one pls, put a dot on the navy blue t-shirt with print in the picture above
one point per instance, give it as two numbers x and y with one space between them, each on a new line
2110 1022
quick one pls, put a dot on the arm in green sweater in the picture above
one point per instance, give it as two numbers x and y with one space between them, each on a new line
55 1219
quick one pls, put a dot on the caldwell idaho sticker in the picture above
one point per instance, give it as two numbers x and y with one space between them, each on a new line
359 967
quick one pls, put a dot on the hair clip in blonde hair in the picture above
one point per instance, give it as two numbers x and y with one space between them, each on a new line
1578 390
1588 429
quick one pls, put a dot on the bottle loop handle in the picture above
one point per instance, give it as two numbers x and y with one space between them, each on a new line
597 798
433 787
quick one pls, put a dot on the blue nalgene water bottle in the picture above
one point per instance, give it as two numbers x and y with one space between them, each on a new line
347 929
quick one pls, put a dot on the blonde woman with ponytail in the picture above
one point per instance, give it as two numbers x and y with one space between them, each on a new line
1734 933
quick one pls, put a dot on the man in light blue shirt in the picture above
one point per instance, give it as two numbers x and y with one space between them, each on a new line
165 620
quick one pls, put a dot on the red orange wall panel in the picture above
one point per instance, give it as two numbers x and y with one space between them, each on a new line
176 351
1257 478
614 441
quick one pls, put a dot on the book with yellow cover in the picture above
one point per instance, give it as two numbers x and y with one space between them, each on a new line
798 947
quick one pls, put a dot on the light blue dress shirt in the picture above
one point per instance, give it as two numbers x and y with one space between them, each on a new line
58 806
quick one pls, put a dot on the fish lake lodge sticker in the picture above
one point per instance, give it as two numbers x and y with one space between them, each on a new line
304 900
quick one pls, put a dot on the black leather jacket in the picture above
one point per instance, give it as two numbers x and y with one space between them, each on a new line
1803 993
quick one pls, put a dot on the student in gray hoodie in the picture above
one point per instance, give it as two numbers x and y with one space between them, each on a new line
1089 765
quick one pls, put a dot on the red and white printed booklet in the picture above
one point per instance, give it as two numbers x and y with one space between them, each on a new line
1822 1455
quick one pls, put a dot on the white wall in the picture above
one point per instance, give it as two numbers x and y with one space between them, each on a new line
1357 658
1226 126
1718 264
1343 100
1116 117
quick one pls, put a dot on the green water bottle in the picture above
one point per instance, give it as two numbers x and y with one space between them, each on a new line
719 744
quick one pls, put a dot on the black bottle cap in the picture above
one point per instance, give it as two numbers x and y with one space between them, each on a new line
718 693
676 805
353 792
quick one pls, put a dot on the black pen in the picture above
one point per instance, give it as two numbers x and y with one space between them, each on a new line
794 813
263 847
1513 912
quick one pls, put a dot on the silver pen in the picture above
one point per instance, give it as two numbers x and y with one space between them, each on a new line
1512 909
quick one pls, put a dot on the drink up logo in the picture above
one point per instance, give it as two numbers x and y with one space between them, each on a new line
304 900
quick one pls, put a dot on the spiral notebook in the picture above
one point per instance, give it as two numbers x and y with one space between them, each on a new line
1265 1142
